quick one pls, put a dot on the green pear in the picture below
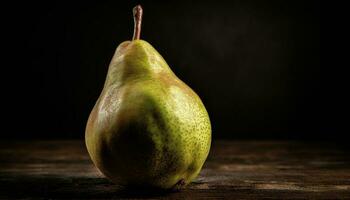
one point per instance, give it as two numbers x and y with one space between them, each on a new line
147 128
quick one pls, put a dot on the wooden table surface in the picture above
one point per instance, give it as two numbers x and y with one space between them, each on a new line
234 170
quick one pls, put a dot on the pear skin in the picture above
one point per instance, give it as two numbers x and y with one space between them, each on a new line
147 128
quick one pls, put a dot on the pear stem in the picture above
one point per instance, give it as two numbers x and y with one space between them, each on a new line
137 11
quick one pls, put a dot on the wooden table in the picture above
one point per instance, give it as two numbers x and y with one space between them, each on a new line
234 170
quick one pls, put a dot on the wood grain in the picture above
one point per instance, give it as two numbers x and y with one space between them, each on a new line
234 170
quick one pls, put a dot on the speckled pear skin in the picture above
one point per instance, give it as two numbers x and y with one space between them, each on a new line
147 128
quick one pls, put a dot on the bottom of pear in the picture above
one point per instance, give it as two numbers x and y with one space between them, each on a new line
179 185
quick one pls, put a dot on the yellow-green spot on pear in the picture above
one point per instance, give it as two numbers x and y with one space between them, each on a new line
147 128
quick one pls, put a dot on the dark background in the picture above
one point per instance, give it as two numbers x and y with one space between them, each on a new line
255 64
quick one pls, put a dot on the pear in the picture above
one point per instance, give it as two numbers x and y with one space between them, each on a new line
147 128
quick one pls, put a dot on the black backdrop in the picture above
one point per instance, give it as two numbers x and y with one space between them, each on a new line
255 64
